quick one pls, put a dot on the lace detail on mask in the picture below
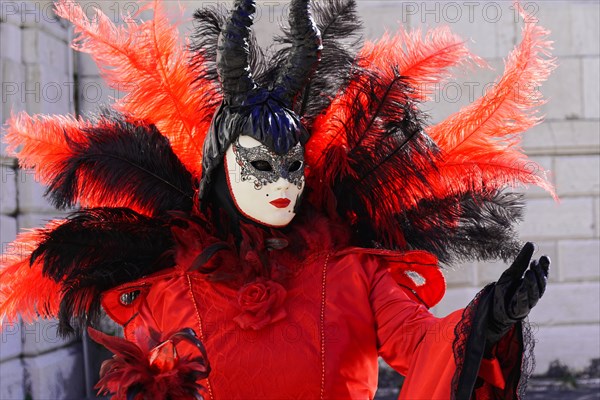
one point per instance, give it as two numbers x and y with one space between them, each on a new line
264 166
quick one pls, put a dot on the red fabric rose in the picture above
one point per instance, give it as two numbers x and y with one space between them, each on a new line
261 302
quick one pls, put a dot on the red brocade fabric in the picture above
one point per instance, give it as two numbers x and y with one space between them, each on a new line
341 311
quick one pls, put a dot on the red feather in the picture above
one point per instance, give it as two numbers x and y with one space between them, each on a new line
42 141
144 371
479 145
422 62
481 142
24 290
43 144
147 62
425 62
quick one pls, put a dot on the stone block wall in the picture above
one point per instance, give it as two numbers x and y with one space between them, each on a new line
37 77
40 74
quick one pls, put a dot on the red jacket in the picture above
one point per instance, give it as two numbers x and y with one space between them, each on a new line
319 337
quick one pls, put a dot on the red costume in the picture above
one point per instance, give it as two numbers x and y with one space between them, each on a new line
320 336
222 299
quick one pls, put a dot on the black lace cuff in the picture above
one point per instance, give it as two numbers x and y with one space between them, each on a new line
517 361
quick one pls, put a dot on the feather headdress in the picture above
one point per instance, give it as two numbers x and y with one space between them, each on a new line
371 161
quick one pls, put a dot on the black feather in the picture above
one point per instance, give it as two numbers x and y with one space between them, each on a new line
207 25
340 32
386 149
122 160
96 250
466 227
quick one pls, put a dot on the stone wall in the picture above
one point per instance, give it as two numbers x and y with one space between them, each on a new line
41 75
37 77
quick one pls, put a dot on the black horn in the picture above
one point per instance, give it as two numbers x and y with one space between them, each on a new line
233 52
305 54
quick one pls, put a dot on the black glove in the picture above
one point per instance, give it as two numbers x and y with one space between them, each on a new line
514 294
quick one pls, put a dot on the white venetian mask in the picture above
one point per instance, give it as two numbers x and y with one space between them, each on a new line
264 185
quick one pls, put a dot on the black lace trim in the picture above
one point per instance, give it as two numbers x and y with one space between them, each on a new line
469 347
528 358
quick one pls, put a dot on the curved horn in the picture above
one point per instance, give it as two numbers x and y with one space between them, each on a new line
305 54
233 52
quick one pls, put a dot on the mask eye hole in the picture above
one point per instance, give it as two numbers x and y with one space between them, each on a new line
262 165
295 166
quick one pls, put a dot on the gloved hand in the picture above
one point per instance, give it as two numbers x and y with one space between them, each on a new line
514 294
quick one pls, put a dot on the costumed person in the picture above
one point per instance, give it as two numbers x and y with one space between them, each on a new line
267 227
